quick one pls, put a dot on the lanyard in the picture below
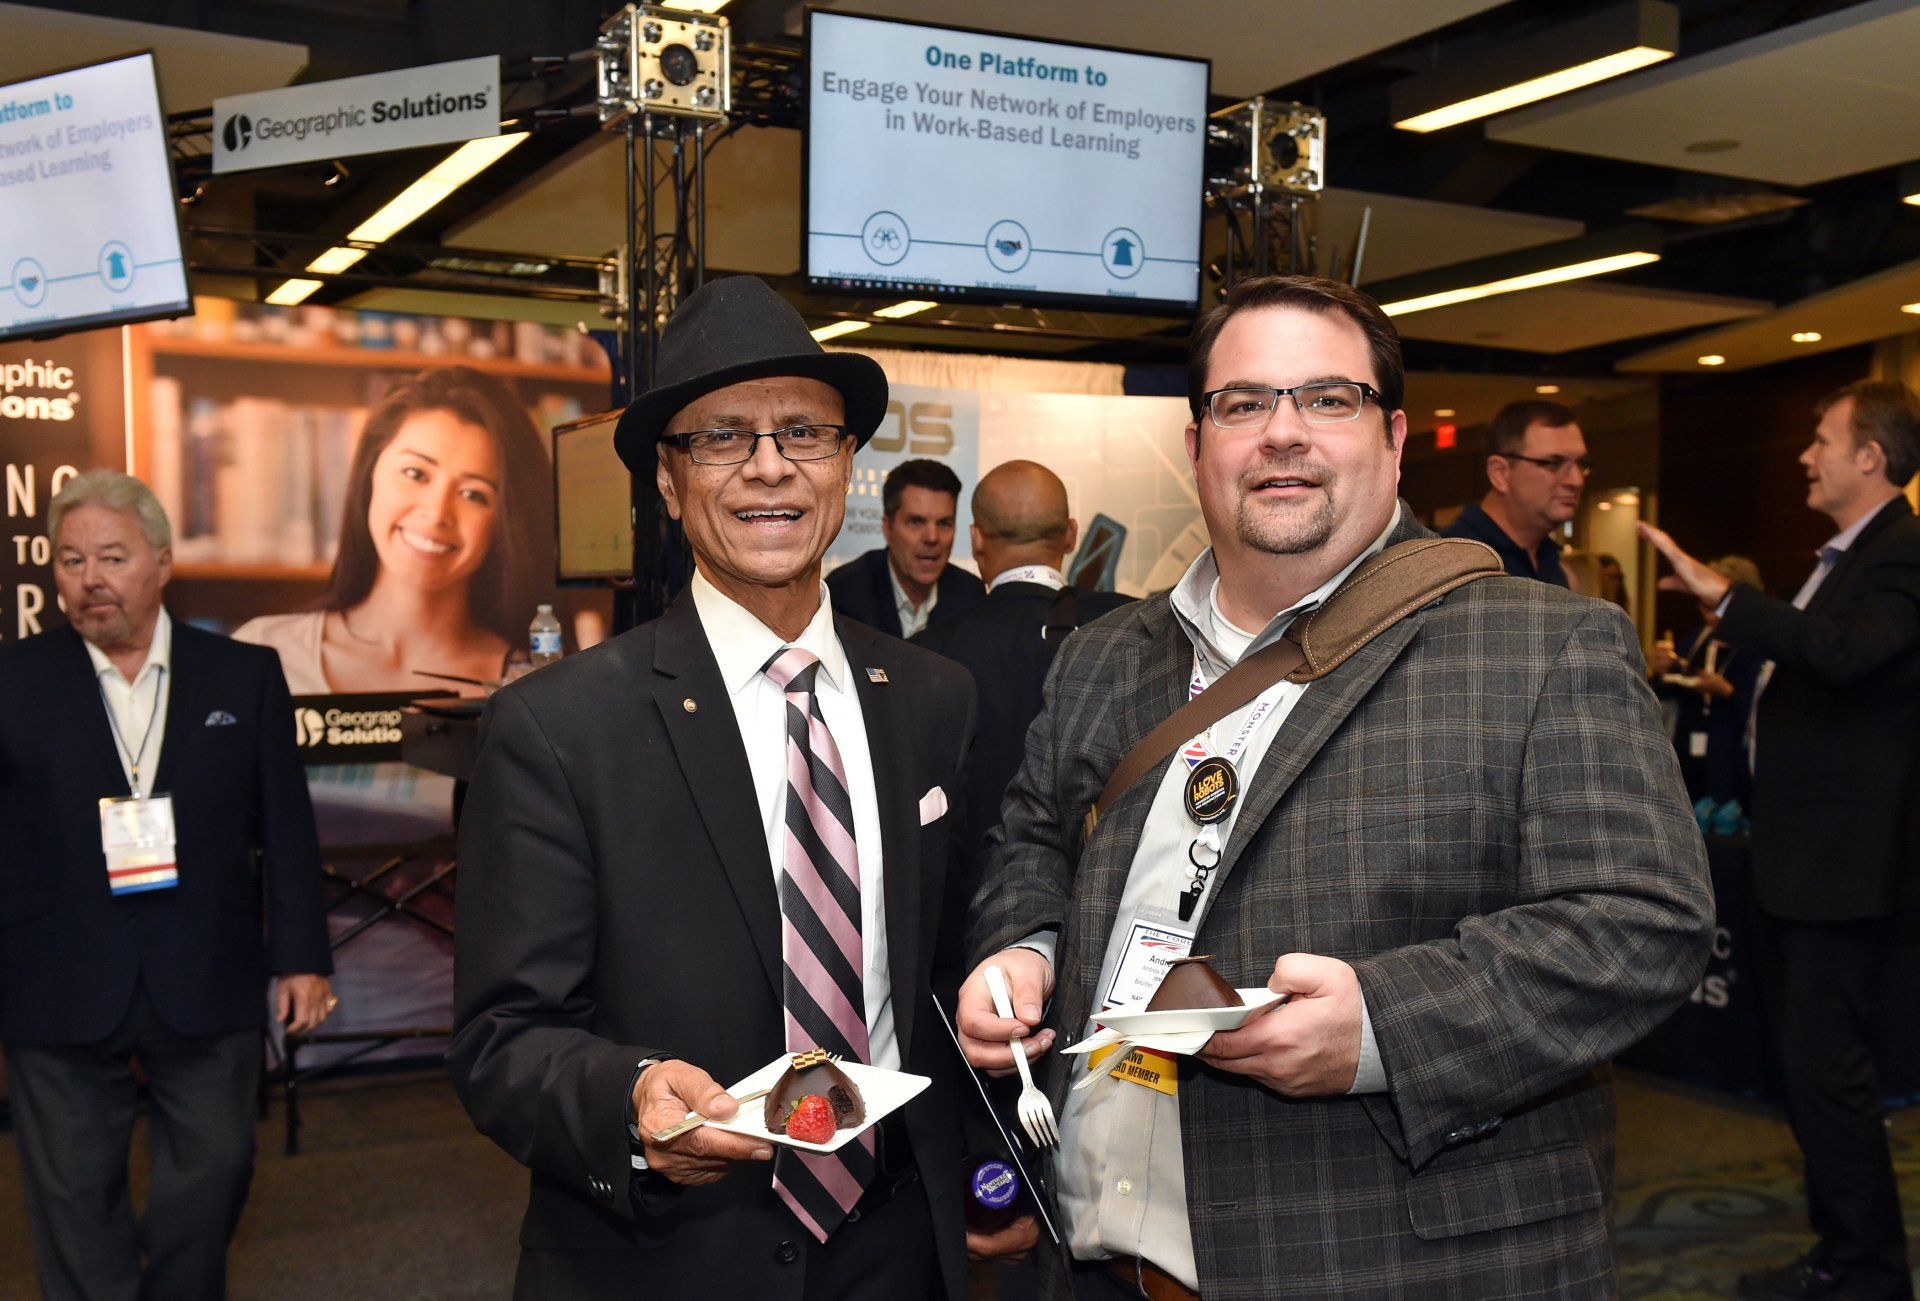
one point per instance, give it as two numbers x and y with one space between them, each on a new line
1215 778
1200 748
136 758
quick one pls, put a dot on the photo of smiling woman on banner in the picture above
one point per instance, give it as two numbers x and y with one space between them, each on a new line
446 544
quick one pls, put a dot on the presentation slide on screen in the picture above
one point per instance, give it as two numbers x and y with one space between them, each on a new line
949 159
87 226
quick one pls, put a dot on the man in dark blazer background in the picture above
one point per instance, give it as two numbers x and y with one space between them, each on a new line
1836 778
166 963
1464 854
636 930
1022 533
908 585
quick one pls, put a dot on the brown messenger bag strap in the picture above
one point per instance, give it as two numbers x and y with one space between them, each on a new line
1383 591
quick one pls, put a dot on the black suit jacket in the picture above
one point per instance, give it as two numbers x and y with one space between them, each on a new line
1837 735
1000 643
617 903
862 590
248 902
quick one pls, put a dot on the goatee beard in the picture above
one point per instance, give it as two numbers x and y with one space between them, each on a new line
1267 531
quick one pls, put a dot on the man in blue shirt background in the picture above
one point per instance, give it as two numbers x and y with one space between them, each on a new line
1537 468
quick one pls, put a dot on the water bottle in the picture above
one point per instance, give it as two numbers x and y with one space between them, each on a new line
543 637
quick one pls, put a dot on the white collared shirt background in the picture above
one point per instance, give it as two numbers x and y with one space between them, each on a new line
138 709
742 645
1044 575
912 620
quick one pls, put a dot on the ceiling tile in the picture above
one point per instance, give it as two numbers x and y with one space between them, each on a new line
1809 103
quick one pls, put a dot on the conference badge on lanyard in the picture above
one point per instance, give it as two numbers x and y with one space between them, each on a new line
136 835
1212 789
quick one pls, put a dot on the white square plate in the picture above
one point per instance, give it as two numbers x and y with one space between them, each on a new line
883 1091
1133 1019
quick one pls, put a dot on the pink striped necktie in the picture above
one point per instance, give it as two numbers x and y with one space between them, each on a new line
823 964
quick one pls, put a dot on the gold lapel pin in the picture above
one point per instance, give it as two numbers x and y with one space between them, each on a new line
689 706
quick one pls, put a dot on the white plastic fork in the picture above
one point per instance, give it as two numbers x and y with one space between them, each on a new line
1035 1112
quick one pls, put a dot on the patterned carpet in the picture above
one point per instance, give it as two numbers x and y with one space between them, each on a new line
1709 1187
397 1197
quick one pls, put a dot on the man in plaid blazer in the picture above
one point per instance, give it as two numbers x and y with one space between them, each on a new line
1465 856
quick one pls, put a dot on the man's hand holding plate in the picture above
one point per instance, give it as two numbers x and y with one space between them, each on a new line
662 1096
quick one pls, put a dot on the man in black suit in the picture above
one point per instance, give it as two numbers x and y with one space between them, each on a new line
160 864
684 858
1836 772
907 585
1022 534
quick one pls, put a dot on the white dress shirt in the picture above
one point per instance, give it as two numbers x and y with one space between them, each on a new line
742 645
1045 575
912 618
1830 556
1122 1181
137 710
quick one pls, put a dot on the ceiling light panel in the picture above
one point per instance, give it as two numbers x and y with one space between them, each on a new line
1567 56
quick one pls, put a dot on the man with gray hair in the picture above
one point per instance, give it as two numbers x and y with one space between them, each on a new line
158 863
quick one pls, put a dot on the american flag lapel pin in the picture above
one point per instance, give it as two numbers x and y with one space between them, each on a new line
876 675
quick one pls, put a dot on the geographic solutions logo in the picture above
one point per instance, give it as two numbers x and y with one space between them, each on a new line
313 729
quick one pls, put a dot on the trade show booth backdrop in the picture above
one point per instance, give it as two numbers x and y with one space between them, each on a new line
246 419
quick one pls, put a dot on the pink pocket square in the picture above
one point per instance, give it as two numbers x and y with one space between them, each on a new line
933 805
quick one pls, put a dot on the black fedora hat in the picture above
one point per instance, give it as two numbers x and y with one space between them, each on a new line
735 329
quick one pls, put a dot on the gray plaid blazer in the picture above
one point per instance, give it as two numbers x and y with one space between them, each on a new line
1481 813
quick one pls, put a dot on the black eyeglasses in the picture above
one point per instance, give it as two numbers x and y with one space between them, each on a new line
1554 465
734 446
1326 402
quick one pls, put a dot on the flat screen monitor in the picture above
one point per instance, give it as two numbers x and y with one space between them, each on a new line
593 501
960 165
89 226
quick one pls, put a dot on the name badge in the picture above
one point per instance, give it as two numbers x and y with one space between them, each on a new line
1143 1066
136 835
1153 942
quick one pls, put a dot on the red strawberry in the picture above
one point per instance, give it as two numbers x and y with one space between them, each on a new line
812 1120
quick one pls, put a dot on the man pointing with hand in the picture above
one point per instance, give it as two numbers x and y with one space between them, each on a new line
1464 855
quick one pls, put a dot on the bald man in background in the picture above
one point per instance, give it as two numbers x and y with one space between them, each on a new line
1021 536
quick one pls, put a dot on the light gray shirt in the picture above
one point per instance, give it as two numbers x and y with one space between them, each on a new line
1122 1181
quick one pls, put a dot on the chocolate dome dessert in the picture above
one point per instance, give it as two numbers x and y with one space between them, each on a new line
814 1073
1191 983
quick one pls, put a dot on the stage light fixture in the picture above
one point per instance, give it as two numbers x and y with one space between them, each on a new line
1546 390
1911 308
697 6
911 307
1581 52
401 211
1712 359
839 328
1443 413
1270 143
1806 336
665 59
